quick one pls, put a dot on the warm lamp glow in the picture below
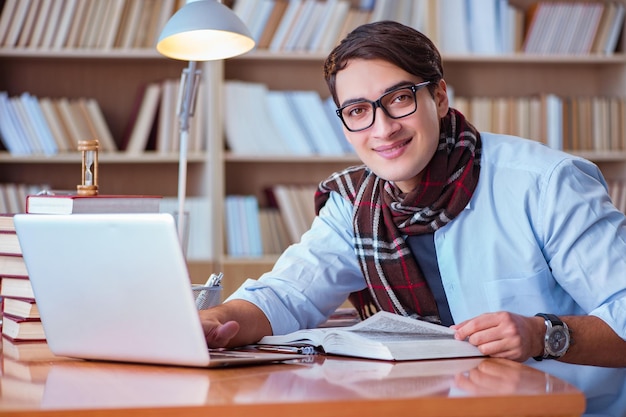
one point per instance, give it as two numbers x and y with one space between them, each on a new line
204 30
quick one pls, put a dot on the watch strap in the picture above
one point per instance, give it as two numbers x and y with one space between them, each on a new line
555 321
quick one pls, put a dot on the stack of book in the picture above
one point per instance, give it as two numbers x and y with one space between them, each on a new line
20 317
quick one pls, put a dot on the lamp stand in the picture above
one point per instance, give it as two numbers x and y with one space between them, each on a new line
187 93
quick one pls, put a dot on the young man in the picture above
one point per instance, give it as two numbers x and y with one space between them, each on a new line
445 223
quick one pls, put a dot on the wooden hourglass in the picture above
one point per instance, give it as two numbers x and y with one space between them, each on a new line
89 183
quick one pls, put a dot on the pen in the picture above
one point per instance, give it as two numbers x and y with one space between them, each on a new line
213 281
302 350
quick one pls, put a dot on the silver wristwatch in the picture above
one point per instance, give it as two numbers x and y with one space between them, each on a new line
557 338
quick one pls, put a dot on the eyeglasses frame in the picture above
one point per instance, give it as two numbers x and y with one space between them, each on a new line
378 104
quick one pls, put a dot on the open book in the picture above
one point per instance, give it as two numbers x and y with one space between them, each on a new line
385 336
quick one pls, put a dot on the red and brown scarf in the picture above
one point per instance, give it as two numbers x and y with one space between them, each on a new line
382 215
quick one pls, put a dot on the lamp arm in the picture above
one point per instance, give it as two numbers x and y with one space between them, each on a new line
187 93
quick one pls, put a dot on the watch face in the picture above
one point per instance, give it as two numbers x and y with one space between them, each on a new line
557 341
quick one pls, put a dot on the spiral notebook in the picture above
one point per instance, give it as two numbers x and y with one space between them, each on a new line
115 287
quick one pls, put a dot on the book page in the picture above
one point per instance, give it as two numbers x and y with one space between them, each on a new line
388 324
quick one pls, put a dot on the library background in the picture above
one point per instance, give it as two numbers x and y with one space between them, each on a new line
72 70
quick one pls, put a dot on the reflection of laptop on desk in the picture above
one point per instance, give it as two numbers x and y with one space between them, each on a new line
115 287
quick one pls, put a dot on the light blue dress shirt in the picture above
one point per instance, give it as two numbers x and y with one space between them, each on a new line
540 235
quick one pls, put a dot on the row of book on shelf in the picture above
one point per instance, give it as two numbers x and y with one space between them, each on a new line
63 24
254 231
565 123
315 26
456 26
302 123
260 121
31 125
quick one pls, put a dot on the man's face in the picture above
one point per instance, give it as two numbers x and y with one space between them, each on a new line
397 150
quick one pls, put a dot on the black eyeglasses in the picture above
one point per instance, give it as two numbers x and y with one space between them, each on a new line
396 104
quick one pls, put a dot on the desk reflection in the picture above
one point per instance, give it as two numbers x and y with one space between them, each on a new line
326 382
604 388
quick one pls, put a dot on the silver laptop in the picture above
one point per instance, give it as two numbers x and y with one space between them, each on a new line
115 287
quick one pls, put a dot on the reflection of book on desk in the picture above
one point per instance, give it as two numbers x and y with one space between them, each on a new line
384 336
28 351
378 379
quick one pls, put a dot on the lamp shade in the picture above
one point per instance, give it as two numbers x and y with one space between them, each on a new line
204 30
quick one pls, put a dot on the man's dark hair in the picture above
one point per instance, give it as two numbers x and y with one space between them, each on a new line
390 41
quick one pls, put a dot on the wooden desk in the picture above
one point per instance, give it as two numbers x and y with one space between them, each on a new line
325 387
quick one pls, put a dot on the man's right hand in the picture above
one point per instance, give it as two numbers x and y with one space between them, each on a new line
232 324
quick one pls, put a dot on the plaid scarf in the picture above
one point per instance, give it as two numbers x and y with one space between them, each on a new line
382 216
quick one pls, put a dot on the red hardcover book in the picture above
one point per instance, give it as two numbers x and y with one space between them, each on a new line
71 203
22 329
16 287
20 307
9 243
13 265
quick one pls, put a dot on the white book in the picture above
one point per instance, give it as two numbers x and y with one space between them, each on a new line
40 23
328 8
131 22
299 25
289 210
311 113
39 124
615 29
94 24
110 24
266 135
288 127
285 25
8 129
65 24
384 336
454 34
249 125
77 24
236 132
330 36
6 16
260 14
98 124
383 10
312 24
146 118
483 26
52 25
233 235
26 124
59 133
554 119
168 119
253 230
29 24
17 19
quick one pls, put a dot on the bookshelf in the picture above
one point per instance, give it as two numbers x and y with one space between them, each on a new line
112 76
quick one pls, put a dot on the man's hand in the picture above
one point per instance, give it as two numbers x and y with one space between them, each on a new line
504 335
217 335
235 323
